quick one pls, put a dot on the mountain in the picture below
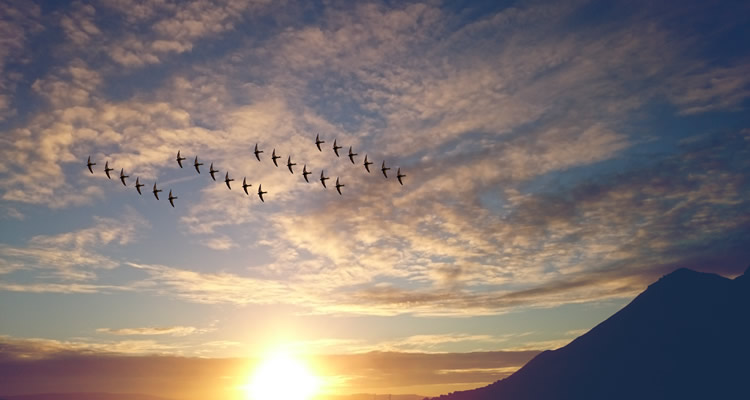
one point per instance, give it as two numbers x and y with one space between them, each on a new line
685 337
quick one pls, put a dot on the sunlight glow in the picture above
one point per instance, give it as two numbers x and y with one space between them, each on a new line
282 377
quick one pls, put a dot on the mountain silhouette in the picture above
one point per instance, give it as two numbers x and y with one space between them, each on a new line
685 337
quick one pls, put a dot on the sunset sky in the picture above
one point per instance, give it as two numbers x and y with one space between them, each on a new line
559 157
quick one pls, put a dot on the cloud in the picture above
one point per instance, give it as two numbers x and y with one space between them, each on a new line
152 331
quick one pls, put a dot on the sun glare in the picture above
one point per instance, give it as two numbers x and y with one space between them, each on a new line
282 377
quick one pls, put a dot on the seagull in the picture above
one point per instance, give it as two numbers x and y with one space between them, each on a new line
305 173
318 142
289 164
156 191
336 148
227 180
196 164
245 185
89 164
351 155
179 159
138 185
339 185
323 179
261 193
399 176
367 164
257 152
274 157
123 176
212 171
383 168
172 198
107 169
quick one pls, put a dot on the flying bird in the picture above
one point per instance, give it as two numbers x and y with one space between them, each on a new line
138 185
245 185
323 179
305 173
318 142
123 176
383 168
172 198
212 171
261 193
274 157
399 176
336 148
227 180
107 169
156 191
289 164
179 159
367 164
196 164
339 186
351 155
257 152
90 164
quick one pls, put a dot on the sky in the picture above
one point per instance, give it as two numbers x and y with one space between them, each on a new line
559 156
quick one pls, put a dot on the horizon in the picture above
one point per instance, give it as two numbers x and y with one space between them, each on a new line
548 161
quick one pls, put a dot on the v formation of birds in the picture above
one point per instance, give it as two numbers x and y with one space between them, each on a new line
245 185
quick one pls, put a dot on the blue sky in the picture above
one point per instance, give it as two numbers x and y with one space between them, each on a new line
559 157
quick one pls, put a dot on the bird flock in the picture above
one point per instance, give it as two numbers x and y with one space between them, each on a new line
245 185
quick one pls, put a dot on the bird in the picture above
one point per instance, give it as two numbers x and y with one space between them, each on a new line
305 173
339 185
336 148
196 164
212 171
245 185
323 179
123 176
367 164
179 159
399 176
156 191
172 198
227 180
107 169
89 164
289 164
261 193
318 142
257 152
138 185
351 155
383 168
274 157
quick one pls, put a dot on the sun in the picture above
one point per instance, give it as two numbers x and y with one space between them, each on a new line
282 377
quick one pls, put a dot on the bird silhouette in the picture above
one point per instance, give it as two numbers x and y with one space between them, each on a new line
172 198
336 148
196 164
257 152
245 185
351 155
305 173
323 179
107 169
383 168
123 176
261 193
274 157
399 176
90 164
318 142
212 171
179 159
156 191
289 164
367 164
227 180
339 185
138 185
